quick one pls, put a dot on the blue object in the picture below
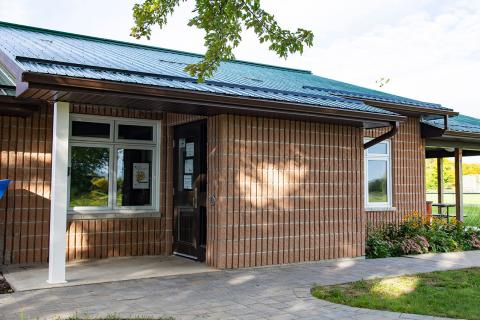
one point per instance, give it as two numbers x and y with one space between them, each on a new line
3 187
66 54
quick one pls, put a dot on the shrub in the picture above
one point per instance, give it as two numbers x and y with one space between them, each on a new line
416 245
377 246
416 235
475 241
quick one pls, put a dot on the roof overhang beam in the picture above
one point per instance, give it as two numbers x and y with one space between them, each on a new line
62 88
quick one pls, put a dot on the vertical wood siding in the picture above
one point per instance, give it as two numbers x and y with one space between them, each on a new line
287 191
104 238
24 211
408 176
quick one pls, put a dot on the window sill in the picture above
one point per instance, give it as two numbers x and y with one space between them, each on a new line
91 215
370 209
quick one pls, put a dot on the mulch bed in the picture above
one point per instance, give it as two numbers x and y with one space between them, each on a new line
4 286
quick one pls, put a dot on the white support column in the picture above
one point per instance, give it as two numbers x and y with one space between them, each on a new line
59 185
459 183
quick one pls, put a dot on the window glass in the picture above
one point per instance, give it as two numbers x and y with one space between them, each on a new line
377 181
89 177
133 132
134 177
380 148
90 129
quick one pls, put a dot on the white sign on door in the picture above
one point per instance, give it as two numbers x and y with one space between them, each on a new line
188 167
190 149
141 174
187 181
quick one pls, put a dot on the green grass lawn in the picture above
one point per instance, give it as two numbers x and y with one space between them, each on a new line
471 203
454 293
92 198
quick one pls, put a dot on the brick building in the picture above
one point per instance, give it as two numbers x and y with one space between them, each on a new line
114 150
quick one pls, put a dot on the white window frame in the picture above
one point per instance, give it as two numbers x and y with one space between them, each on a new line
133 123
86 118
113 144
382 157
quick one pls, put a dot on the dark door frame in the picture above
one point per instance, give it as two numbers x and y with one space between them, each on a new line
189 203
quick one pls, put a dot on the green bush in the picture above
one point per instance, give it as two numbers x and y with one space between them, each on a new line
378 247
416 235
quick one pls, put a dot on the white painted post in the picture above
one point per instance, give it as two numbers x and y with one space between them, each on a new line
59 185
459 183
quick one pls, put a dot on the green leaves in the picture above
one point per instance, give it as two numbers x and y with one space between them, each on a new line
223 22
151 12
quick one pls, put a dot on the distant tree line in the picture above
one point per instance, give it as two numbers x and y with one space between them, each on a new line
448 173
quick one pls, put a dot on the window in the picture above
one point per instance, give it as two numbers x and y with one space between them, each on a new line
112 164
378 178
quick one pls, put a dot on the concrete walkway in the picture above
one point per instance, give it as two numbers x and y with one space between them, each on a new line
26 278
281 292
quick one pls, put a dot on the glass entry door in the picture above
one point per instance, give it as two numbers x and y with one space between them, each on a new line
190 187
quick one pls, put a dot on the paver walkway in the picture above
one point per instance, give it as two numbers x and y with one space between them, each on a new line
281 292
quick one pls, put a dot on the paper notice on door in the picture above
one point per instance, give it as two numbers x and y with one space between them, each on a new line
141 175
190 149
181 143
188 167
187 182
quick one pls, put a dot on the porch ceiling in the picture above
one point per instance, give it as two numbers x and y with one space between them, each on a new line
443 135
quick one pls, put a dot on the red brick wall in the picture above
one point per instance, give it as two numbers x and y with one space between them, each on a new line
408 173
287 191
25 149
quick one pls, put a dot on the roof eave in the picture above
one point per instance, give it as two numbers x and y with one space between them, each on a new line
462 134
440 137
406 109
53 84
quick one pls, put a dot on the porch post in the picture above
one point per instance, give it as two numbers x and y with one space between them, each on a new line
58 203
459 184
441 189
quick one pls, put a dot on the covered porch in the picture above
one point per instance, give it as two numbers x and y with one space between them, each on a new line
451 138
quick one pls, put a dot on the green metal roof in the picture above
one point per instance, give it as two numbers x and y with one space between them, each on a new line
460 123
7 85
59 53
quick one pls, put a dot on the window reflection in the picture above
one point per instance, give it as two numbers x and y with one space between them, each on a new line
89 176
380 148
377 181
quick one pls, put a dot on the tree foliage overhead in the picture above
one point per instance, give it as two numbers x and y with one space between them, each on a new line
223 22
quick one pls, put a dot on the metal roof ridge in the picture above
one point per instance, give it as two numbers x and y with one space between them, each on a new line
137 45
192 80
374 96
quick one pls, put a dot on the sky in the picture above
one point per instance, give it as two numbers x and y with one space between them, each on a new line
430 49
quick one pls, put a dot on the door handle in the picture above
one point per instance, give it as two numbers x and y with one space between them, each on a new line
213 200
195 198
